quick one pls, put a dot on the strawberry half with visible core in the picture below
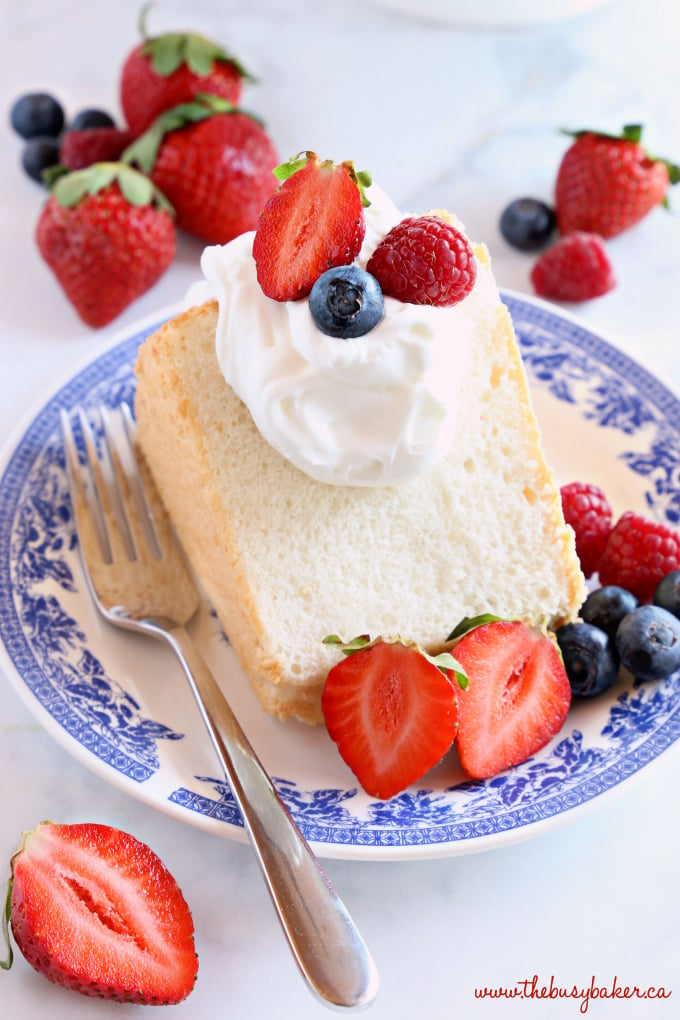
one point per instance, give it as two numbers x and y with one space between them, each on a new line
314 222
95 910
213 162
173 68
391 709
107 234
607 183
517 698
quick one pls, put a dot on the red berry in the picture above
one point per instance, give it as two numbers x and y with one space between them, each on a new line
82 148
95 910
424 261
314 222
575 268
517 698
392 712
174 68
605 184
638 554
214 165
588 511
107 235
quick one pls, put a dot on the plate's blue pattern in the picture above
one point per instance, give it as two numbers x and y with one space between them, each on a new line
50 654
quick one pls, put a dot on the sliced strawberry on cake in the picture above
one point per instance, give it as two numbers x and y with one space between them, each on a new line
313 222
517 698
392 710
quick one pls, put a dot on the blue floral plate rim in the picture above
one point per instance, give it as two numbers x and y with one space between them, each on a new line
75 677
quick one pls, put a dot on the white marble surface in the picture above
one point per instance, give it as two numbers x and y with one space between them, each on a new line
451 116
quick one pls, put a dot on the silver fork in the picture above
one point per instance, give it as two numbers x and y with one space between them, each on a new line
138 580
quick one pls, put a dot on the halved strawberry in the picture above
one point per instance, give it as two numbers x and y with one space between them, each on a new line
392 711
95 910
314 222
517 698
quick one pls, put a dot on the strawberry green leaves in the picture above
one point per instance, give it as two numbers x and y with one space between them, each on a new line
137 188
168 52
444 661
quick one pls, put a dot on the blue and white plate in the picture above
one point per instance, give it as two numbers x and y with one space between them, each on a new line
119 702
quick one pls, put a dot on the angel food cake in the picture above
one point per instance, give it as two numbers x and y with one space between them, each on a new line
326 477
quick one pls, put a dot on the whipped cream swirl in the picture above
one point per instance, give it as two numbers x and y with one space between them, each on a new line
375 410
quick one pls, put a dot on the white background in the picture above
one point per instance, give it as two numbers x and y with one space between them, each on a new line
443 115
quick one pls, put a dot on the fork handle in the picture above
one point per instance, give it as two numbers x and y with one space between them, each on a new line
323 937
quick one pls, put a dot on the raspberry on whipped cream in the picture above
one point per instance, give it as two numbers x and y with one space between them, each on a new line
372 411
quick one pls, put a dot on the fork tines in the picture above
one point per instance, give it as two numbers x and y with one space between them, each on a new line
106 484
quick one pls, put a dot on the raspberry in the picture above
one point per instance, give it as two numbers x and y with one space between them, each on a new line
576 268
424 261
638 554
84 146
587 510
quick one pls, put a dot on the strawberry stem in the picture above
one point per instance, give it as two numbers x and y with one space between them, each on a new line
6 914
168 52
469 623
444 661
361 178
137 188
144 149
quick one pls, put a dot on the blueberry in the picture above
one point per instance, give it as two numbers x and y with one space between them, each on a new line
38 155
667 594
590 658
37 113
606 607
346 302
648 642
91 118
527 224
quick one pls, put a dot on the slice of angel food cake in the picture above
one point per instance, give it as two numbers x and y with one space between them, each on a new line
341 429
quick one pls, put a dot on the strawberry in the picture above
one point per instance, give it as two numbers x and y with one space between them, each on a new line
607 183
314 222
95 910
213 162
424 261
639 553
173 68
107 234
517 698
576 268
82 148
392 711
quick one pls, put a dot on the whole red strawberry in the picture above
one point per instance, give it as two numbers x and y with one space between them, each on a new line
576 268
314 222
588 511
391 709
424 261
607 183
213 162
108 235
95 910
81 148
639 553
173 68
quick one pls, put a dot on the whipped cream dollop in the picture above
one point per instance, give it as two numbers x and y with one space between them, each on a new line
375 410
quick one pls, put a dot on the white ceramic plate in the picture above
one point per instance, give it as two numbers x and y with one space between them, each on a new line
119 702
